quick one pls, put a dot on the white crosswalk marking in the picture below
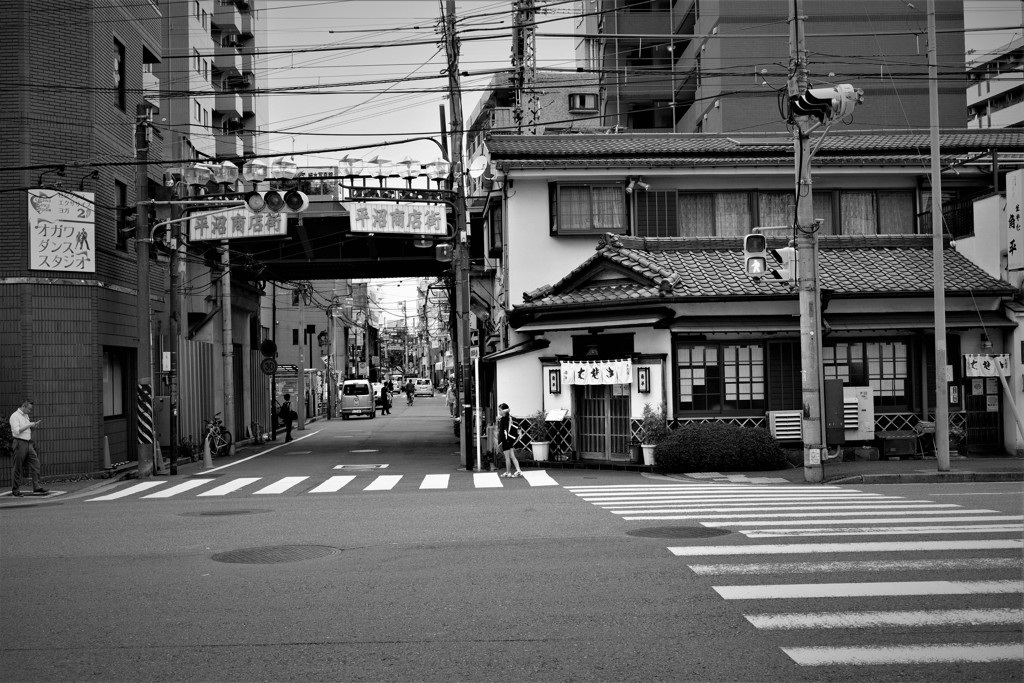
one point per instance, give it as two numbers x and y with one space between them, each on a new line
131 490
384 482
539 478
912 618
486 480
435 481
333 484
180 488
230 487
792 513
941 653
280 486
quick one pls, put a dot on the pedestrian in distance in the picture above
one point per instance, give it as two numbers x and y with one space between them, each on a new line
385 399
451 401
24 449
508 432
410 390
286 415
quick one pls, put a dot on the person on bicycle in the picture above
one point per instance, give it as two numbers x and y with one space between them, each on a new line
410 391
286 416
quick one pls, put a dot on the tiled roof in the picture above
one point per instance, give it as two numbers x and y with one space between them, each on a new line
664 270
660 149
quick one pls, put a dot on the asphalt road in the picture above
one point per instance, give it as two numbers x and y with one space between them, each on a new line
595 575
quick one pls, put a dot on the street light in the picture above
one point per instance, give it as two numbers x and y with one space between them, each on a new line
439 170
283 169
408 168
255 171
225 173
197 175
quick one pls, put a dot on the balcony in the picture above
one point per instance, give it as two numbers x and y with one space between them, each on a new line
229 104
642 23
248 103
229 146
226 60
502 121
226 16
151 88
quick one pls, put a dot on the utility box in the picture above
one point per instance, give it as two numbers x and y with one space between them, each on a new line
898 443
835 422
859 413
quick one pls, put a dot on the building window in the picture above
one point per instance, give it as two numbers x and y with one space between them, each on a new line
496 231
114 378
197 8
206 118
656 214
295 337
197 61
580 101
587 209
199 110
204 19
884 366
714 213
120 86
717 379
121 216
779 208
874 213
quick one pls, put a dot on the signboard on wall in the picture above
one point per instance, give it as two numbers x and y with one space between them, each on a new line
395 218
62 231
1014 229
236 223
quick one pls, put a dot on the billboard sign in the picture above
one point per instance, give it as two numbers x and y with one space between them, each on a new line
397 218
62 231
236 223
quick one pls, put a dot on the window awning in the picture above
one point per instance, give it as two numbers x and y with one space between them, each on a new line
916 321
708 325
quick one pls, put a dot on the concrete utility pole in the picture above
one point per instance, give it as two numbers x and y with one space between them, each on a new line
228 348
147 443
461 256
300 399
807 258
938 279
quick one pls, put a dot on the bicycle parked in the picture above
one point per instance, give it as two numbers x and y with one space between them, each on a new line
218 436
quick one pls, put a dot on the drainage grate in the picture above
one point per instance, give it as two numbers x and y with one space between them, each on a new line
276 554
678 532
222 513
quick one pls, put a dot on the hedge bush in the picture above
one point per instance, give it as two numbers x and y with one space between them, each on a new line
719 447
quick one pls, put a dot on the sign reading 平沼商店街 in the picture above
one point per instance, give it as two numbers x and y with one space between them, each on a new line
236 223
391 217
62 227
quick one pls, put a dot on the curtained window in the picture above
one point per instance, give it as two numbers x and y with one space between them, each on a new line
877 213
588 209
720 378
714 213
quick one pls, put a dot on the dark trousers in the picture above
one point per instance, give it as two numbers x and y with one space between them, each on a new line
25 454
287 430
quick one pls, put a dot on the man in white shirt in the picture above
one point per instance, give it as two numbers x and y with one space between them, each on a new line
24 450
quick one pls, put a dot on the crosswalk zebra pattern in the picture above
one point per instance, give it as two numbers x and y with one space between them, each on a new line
784 525
163 489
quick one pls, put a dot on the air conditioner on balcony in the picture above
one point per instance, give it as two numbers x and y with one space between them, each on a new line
786 425
859 413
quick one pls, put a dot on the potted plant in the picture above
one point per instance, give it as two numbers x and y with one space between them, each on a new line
540 439
957 440
653 430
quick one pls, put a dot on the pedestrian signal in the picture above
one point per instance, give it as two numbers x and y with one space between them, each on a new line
755 255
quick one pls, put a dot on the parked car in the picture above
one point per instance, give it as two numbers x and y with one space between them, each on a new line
357 398
423 387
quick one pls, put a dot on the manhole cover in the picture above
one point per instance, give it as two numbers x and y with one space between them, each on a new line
275 554
222 513
678 532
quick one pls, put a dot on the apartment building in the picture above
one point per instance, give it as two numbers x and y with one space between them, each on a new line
995 96
712 66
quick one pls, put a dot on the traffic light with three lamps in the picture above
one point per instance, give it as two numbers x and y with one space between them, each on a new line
277 201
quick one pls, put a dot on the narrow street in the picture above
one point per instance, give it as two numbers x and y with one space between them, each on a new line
568 575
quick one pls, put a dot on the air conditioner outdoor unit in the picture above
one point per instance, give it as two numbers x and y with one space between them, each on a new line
786 425
859 413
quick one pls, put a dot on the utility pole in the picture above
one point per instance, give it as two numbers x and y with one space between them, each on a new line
461 247
174 342
807 258
938 276
300 400
228 349
147 444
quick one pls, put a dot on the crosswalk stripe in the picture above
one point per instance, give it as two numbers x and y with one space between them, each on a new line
333 484
906 654
908 618
137 488
859 590
800 511
739 498
539 478
486 480
884 531
230 487
695 487
435 481
825 568
384 482
964 515
180 488
867 547
280 486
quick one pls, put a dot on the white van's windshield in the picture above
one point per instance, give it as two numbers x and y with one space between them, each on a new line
359 389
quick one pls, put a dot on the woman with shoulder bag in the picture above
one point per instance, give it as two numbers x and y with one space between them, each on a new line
507 433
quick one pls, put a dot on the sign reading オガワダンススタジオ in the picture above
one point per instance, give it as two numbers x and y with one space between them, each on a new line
62 231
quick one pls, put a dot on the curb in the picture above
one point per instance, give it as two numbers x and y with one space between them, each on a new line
930 478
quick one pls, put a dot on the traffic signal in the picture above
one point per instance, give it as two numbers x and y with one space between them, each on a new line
826 104
755 255
786 268
277 201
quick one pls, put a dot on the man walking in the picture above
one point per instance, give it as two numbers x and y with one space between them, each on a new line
24 450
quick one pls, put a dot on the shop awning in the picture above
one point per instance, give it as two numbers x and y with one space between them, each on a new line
710 325
517 349
545 323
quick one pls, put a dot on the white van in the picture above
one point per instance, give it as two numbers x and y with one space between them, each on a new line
357 398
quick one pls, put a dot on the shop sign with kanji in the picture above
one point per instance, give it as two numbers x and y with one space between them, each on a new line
62 231
240 223
986 365
391 217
